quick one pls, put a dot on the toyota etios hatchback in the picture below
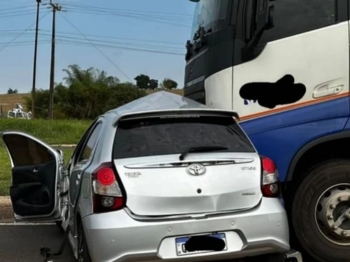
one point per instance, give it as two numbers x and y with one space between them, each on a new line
160 178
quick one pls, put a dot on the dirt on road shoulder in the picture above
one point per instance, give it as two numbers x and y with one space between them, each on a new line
6 212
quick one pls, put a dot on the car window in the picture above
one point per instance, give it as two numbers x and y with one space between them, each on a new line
26 151
161 136
88 147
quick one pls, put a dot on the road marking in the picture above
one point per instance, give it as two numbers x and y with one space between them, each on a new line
26 224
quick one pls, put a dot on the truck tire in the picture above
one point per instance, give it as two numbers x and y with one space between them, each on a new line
320 200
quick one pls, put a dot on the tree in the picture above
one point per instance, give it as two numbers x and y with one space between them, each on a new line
142 81
153 84
169 83
12 91
85 94
122 94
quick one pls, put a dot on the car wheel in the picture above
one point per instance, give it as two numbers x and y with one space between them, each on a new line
321 211
83 251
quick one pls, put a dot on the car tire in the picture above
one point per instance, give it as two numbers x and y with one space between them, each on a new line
83 250
313 212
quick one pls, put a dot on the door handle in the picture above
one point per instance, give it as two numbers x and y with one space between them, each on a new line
35 170
326 90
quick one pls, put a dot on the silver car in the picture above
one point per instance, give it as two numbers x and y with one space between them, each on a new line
160 178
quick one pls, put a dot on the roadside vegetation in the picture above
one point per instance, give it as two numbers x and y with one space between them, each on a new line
88 93
55 132
81 97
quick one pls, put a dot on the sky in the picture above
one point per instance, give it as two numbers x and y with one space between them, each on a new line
123 37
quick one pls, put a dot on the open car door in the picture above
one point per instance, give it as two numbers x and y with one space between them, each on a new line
38 178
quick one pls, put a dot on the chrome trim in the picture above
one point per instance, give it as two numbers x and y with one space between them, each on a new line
187 216
195 81
204 162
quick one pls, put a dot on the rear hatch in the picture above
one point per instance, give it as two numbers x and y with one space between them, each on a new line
226 176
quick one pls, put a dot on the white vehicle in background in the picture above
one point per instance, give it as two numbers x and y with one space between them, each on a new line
162 178
17 112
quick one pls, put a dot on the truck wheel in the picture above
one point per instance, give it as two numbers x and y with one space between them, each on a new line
321 211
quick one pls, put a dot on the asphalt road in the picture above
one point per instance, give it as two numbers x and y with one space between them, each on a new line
23 243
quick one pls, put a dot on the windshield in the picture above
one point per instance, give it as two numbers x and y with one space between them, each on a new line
163 136
210 14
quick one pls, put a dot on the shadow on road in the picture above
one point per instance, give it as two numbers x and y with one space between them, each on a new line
23 243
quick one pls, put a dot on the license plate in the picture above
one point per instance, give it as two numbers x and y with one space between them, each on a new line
181 241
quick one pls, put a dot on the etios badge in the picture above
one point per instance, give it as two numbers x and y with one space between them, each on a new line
196 170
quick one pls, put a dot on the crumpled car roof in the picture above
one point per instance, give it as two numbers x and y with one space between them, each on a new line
162 101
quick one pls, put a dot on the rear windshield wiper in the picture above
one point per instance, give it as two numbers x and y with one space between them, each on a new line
201 149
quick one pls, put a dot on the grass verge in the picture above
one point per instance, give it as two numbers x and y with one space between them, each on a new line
5 168
50 131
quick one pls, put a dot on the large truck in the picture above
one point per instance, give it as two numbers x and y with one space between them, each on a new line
284 67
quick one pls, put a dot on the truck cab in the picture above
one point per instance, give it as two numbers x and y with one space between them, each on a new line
284 67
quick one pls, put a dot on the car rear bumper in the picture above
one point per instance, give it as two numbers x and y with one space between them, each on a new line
116 236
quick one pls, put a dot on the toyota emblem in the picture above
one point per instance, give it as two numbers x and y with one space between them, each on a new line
196 169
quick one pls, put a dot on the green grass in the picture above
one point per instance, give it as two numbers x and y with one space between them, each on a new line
5 168
50 131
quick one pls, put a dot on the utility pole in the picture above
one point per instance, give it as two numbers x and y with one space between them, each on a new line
55 8
35 55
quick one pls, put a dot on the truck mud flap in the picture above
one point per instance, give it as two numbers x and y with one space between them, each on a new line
293 256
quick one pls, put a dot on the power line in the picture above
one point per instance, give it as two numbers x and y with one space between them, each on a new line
88 44
136 16
117 67
24 43
125 10
138 45
77 43
119 43
16 14
165 18
16 8
125 45
6 33
12 30
132 13
19 35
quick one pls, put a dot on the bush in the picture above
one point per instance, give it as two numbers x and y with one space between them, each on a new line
85 94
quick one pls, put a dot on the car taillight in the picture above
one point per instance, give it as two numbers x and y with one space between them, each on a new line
270 184
107 192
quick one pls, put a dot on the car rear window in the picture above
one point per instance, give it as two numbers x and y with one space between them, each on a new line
173 135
